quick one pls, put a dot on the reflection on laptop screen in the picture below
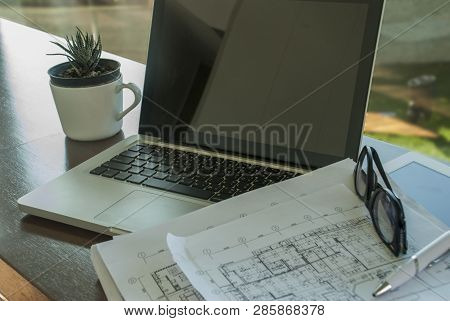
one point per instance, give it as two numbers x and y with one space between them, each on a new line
258 62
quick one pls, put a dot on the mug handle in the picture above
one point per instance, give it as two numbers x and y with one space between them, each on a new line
137 98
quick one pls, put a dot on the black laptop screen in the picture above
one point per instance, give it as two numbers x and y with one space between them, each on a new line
276 79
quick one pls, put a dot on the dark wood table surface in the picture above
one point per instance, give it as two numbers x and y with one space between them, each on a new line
33 151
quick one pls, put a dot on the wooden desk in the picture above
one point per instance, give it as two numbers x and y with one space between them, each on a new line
13 287
33 150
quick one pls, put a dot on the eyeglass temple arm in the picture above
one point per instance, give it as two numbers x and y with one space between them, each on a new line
380 167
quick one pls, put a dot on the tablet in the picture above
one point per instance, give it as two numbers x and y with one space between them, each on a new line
425 180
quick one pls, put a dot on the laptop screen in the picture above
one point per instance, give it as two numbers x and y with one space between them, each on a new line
285 80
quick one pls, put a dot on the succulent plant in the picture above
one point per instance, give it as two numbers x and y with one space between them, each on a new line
83 52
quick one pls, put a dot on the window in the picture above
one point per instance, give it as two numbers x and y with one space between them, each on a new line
123 24
410 99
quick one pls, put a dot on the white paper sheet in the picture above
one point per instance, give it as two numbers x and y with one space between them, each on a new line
320 246
141 264
109 286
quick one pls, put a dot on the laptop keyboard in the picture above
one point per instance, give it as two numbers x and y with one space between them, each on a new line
201 176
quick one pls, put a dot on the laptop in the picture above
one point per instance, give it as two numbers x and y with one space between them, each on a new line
238 95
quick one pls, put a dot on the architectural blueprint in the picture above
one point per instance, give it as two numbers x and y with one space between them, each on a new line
140 266
322 247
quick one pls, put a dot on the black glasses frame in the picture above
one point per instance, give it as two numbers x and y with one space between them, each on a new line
398 245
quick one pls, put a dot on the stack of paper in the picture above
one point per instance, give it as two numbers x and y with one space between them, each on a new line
308 238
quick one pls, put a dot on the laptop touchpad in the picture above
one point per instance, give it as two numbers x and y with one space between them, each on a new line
139 210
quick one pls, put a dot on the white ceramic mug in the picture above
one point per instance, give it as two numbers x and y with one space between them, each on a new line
93 113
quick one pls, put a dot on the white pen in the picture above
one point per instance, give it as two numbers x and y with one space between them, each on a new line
415 264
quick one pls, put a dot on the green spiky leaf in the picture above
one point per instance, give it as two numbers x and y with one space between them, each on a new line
83 52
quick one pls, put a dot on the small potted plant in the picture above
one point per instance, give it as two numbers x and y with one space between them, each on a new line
88 90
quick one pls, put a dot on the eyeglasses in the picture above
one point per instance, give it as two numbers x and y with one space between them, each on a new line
385 207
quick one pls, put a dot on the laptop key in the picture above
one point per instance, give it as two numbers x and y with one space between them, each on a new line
177 169
289 175
166 162
117 166
229 190
256 186
238 192
151 165
136 179
122 176
177 188
129 153
135 148
207 170
110 173
148 172
144 157
156 159
246 179
276 178
187 181
216 180
157 183
138 163
163 168
135 170
99 170
146 150
272 170
173 178
160 175
242 186
260 181
216 187
253 187
200 184
122 159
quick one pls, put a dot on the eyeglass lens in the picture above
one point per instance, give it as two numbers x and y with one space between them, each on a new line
361 176
384 213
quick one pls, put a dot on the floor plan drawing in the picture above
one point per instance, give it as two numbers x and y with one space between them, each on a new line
161 281
175 285
319 250
309 260
142 267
